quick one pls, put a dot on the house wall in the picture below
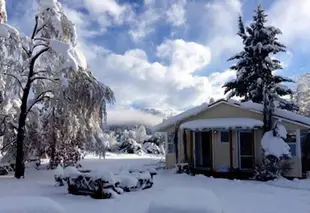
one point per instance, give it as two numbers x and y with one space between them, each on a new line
221 153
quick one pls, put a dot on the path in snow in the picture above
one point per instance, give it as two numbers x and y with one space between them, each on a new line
235 196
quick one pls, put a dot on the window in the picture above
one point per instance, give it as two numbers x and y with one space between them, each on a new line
170 143
225 136
292 142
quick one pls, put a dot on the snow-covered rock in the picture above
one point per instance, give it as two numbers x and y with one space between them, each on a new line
275 146
186 200
29 205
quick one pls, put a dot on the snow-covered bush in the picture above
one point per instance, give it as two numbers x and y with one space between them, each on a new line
151 148
130 146
276 154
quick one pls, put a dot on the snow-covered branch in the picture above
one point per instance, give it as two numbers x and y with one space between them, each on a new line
16 78
39 98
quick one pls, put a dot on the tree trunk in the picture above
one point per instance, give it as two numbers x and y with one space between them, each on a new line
20 166
53 148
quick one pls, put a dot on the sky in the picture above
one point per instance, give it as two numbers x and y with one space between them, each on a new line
171 54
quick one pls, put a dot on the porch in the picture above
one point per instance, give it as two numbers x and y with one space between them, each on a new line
227 148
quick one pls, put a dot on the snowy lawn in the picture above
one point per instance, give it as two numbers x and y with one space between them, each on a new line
234 196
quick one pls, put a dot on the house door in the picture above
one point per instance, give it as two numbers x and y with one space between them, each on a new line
203 150
246 149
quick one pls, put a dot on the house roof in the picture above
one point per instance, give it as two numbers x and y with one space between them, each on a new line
254 107
222 123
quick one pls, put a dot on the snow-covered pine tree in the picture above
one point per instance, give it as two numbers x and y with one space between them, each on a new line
255 67
302 95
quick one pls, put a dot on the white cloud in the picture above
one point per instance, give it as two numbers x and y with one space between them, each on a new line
142 25
292 17
174 85
176 13
184 56
222 16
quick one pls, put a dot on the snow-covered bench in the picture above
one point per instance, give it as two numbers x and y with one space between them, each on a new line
133 180
102 184
185 200
29 205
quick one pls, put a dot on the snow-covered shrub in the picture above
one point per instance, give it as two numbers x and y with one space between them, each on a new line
130 146
276 154
151 148
140 134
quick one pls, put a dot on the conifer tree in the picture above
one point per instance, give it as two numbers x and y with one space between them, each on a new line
255 79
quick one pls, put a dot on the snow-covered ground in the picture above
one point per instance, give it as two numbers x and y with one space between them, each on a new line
234 196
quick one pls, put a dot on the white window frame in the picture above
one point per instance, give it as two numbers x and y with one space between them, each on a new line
169 143
297 143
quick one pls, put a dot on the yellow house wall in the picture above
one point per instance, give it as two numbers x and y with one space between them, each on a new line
221 154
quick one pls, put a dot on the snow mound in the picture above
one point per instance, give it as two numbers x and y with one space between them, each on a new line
291 184
102 174
186 200
29 205
59 172
127 181
274 145
71 171
281 131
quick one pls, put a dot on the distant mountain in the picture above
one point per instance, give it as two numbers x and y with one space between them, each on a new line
159 112
130 119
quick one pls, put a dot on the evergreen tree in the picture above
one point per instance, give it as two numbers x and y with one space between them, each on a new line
302 97
254 67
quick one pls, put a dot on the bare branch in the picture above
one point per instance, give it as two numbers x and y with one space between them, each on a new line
16 78
27 52
37 45
43 78
13 125
41 28
39 98
38 72
35 28
41 39
8 145
38 55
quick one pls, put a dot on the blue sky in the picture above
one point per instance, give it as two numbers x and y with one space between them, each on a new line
171 54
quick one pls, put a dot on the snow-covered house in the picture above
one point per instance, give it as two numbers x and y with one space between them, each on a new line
226 136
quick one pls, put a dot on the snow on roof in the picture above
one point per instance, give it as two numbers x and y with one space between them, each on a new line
246 105
225 123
